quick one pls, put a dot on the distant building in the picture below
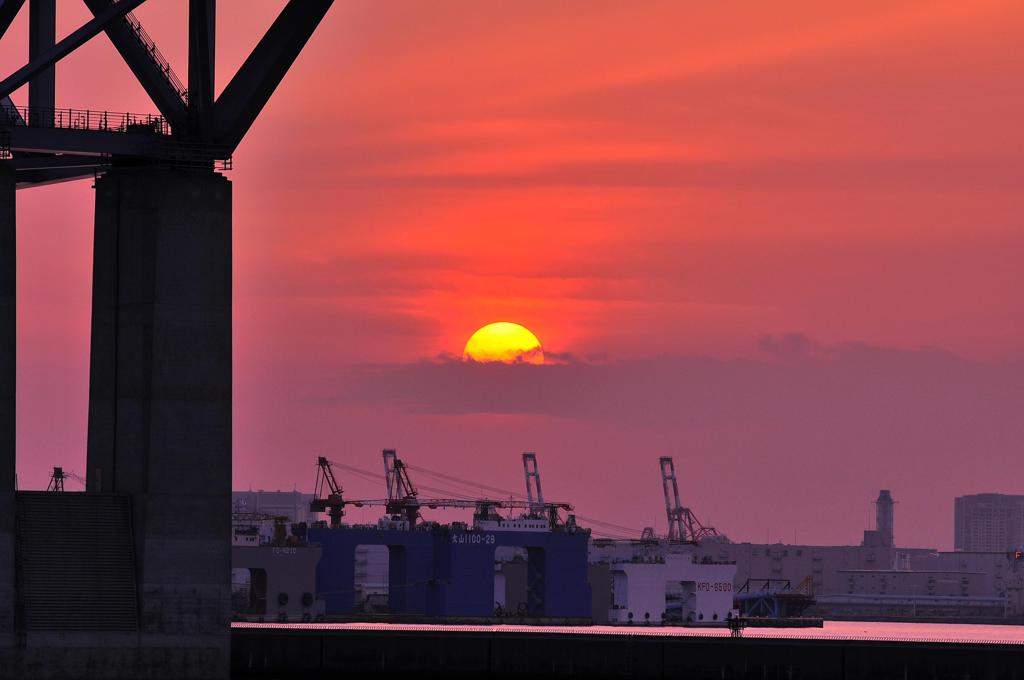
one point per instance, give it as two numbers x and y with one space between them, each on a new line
988 522
882 535
291 504
878 579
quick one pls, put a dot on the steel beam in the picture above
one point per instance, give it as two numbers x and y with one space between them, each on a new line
83 142
26 179
40 170
53 162
73 41
202 25
139 59
251 88
42 34
12 116
8 11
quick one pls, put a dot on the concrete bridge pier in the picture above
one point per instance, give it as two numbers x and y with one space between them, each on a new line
8 337
131 580
160 401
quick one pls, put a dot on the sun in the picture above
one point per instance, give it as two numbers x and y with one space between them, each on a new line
506 342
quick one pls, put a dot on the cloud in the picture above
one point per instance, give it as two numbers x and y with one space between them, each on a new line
795 378
883 171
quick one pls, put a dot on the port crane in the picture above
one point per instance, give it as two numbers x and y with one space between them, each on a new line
683 525
332 501
534 495
403 501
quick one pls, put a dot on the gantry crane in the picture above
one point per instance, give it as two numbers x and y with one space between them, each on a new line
333 502
402 497
683 525
403 501
534 494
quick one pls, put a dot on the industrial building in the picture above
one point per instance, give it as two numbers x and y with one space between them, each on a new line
988 522
877 579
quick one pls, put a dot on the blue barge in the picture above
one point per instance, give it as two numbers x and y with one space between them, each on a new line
449 570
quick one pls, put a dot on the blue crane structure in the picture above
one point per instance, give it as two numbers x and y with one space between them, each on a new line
448 571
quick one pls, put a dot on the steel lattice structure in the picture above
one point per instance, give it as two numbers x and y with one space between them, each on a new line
44 143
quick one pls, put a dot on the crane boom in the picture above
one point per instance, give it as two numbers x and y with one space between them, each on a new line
533 491
683 524
333 502
402 495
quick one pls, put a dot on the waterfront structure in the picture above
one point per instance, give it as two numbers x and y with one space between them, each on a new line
988 522
367 572
449 570
849 651
531 565
455 572
275 583
658 580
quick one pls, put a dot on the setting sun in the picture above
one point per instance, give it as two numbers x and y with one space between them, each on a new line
506 342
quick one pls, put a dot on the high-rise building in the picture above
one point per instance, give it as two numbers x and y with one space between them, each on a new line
988 522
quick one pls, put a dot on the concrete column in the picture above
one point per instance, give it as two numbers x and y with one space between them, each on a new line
8 337
160 396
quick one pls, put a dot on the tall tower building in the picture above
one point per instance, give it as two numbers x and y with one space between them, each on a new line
881 536
988 522
883 518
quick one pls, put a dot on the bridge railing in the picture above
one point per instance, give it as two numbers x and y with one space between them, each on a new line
149 45
83 119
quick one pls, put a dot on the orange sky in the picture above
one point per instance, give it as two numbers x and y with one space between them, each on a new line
628 181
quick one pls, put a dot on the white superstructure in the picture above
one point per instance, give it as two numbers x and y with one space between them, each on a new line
673 590
658 582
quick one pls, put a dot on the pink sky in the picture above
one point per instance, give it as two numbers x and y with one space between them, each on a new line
779 241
